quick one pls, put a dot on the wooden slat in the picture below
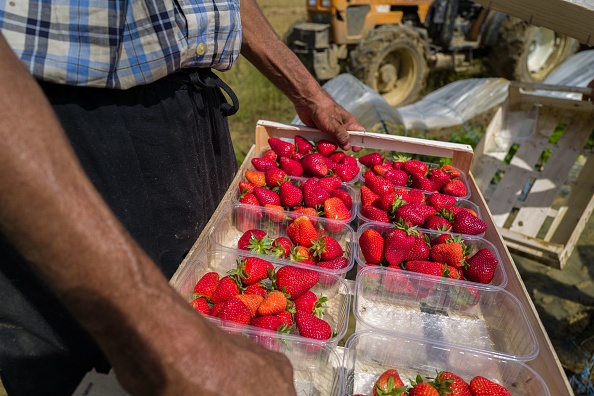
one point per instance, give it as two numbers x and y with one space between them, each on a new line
563 16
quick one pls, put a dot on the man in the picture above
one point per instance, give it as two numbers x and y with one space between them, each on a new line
145 116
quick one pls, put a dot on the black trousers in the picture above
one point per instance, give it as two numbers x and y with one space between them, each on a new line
162 158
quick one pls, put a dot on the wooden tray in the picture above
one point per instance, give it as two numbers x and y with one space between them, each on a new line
546 364
535 174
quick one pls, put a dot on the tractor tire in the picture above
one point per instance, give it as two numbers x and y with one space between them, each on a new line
392 60
528 53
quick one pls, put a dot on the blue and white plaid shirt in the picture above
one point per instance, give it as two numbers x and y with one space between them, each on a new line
120 43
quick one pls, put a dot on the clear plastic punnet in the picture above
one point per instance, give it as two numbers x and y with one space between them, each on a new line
470 316
369 353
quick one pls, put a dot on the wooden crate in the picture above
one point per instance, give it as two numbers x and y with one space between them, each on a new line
534 173
546 364
572 18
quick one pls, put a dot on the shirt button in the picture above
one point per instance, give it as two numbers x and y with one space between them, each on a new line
201 49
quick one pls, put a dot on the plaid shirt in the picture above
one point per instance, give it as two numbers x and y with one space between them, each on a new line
120 43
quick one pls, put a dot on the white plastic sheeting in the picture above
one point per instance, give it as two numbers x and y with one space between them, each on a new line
451 105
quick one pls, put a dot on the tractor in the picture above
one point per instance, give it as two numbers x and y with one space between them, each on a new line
393 45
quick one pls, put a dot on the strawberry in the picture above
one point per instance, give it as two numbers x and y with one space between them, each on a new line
252 270
291 166
437 223
314 165
329 164
330 183
262 163
217 308
300 254
442 238
274 303
414 195
381 169
252 301
481 266
310 326
375 214
371 245
344 196
334 265
425 267
368 197
235 310
304 146
389 383
255 177
271 322
338 156
420 249
295 281
481 386
346 172
226 289
206 285
274 176
249 199
281 247
415 167
423 389
326 248
256 288
452 252
452 272
287 318
276 213
395 280
313 193
246 187
378 184
302 232
281 147
466 223
390 201
440 201
398 243
455 187
255 240
454 173
371 159
439 177
454 385
413 214
310 302
266 196
290 195
350 161
335 209
200 304
326 147
422 183
398 177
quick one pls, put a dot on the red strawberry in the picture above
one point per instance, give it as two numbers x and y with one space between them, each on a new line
346 172
389 383
314 165
257 288
270 154
344 196
304 146
252 270
274 176
246 187
274 303
378 184
371 243
414 167
281 247
201 305
453 383
381 169
456 188
350 161
338 156
439 177
254 240
466 223
295 281
334 265
313 193
281 147
290 195
330 164
440 201
368 197
414 195
398 243
249 199
395 280
443 238
414 214
276 213
423 389
437 223
301 254
291 166
271 322
255 177
422 183
261 163
371 159
452 252
335 209
302 232
425 267
310 326
454 173
235 310
217 308
266 196
206 285
481 386
226 289
326 147
420 250
330 183
398 177
326 248
481 266
375 214
310 212
310 302
252 301
390 201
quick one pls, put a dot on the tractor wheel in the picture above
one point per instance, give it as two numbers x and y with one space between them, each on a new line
393 61
529 53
